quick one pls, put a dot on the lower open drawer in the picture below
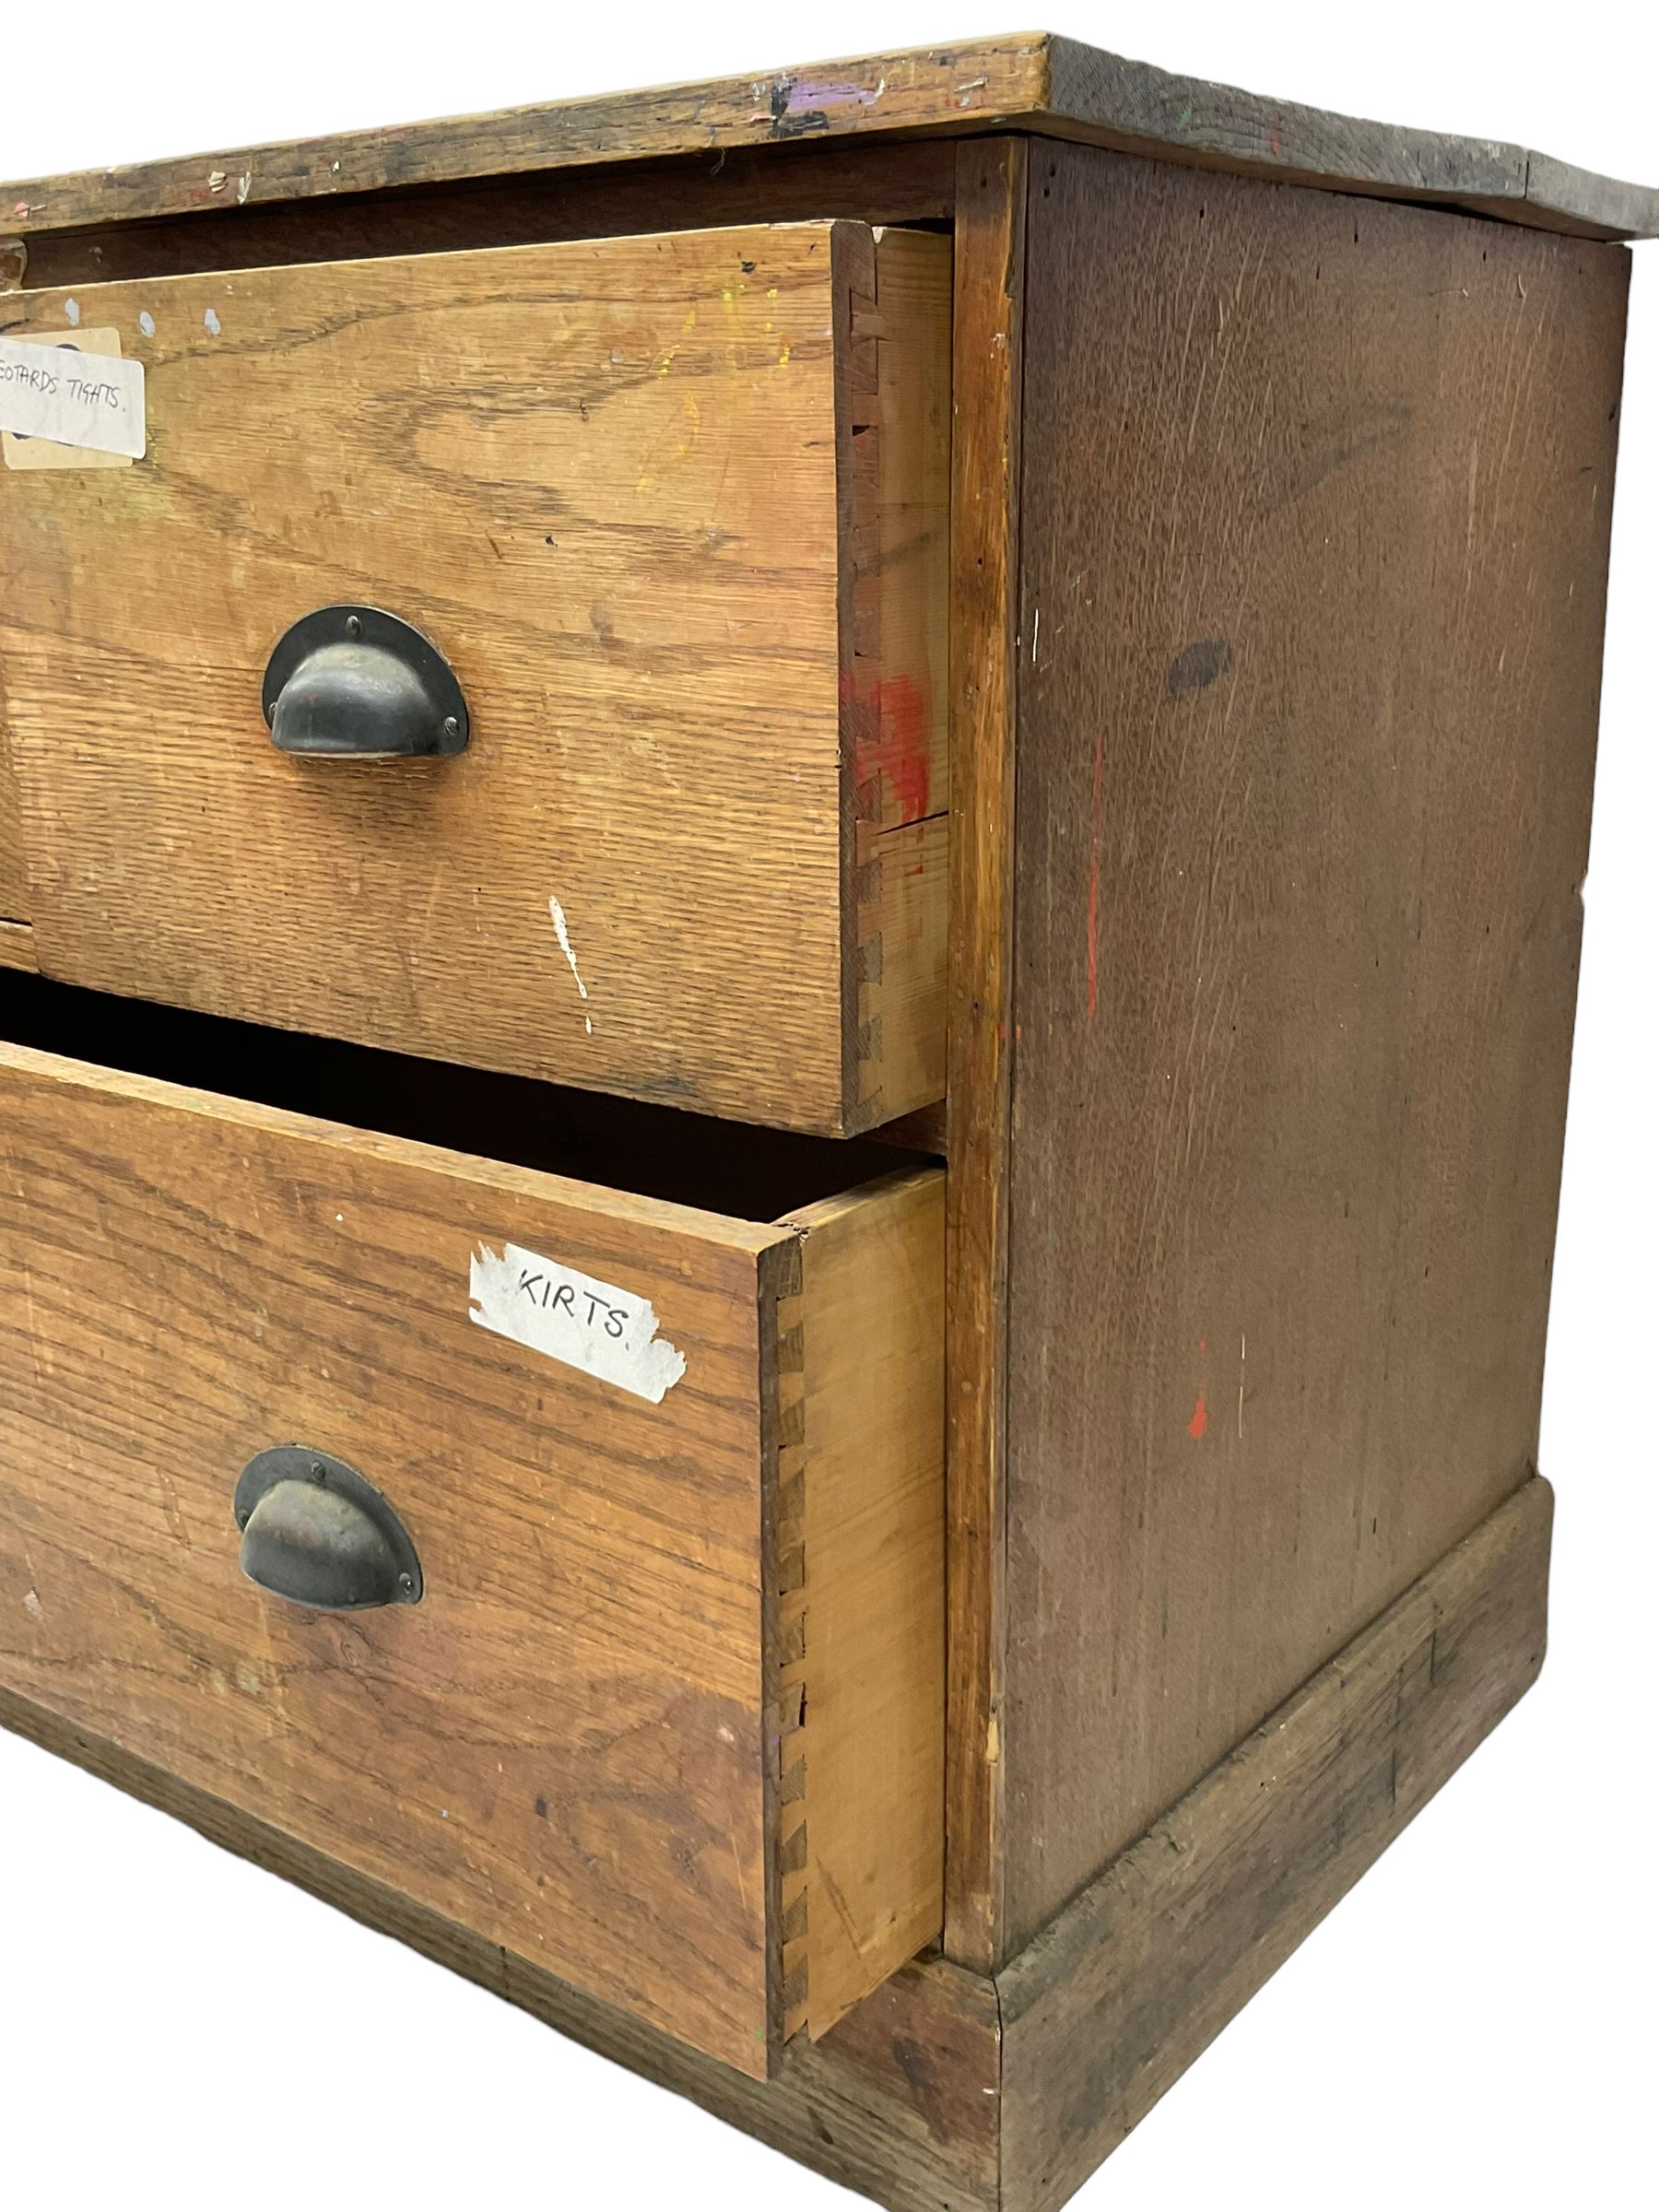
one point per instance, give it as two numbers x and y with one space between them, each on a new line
666 1719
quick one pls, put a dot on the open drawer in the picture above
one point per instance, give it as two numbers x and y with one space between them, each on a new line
674 510
666 1718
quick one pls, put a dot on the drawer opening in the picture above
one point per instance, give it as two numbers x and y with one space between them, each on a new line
913 184
663 1152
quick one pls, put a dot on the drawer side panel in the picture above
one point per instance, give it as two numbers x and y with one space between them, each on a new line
865 1606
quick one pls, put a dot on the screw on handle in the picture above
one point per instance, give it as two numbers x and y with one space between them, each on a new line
316 1531
356 683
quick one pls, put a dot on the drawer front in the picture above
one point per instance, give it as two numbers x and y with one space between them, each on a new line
674 509
586 1741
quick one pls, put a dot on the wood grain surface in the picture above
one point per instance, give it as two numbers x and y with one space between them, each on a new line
16 947
630 491
561 1746
991 218
900 2101
1314 543
1107 100
1119 1994
869 1610
1033 81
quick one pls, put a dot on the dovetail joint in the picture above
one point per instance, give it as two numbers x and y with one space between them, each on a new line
788 1730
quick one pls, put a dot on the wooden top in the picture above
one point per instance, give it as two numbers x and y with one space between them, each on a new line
1032 81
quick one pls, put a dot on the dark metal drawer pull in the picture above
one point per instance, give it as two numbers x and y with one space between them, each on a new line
313 1531
354 683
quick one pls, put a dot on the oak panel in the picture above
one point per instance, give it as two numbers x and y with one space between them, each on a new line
868 1609
1315 536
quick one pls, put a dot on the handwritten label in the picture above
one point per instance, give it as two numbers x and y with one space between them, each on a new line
571 1317
68 394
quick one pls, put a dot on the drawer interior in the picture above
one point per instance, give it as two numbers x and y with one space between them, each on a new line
667 1721
660 1152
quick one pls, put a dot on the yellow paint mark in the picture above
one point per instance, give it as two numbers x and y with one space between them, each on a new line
783 357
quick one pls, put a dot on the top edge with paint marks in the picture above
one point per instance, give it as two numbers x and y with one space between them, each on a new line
1031 81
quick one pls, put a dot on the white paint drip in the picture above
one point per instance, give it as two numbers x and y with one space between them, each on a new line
1241 1386
575 1319
72 309
32 1605
146 322
211 323
562 930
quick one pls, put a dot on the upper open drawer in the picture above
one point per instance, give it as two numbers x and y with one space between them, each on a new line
674 511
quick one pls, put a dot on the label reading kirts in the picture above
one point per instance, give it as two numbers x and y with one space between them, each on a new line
573 1318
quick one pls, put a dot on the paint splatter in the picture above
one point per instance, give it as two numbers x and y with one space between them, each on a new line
1241 1386
72 309
562 930
890 748
32 1605
211 323
1200 1420
146 324
1196 666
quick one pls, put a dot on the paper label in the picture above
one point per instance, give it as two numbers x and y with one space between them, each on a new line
76 393
592 1325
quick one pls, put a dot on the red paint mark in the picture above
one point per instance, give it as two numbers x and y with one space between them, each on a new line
891 748
1200 1420
1273 140
1202 1346
1093 947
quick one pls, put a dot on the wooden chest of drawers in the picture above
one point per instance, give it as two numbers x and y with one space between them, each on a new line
789 895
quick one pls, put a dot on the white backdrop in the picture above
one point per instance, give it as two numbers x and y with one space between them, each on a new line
1474 2023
